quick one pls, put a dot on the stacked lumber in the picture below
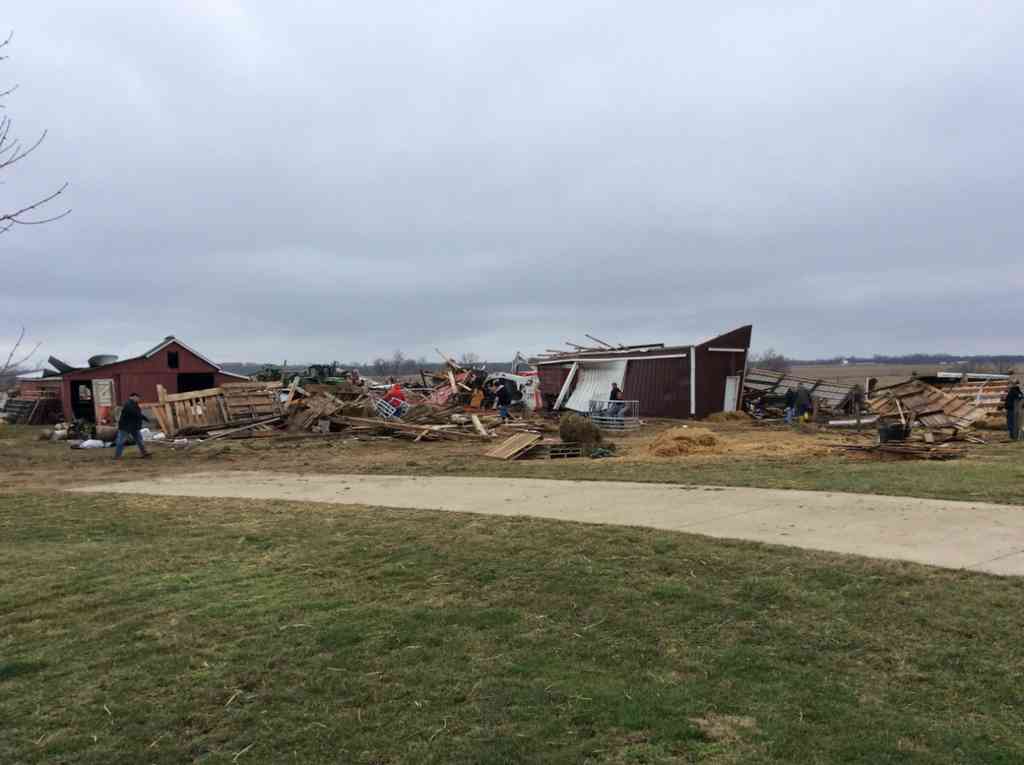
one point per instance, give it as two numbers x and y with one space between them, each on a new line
418 432
926 404
306 412
21 411
911 450
988 395
514 447
201 411
533 446
251 400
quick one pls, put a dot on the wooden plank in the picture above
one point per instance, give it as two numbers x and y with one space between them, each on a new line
479 426
170 424
224 433
223 408
241 386
291 391
205 393
430 430
161 417
512 447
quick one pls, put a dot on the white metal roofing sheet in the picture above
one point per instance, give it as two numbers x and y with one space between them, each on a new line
594 382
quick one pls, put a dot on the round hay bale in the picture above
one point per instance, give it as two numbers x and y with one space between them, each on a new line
574 429
680 441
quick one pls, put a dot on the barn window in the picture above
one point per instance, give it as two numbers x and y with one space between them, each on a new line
172 359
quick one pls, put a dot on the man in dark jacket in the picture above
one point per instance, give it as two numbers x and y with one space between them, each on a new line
790 404
615 397
504 399
1013 396
803 401
129 425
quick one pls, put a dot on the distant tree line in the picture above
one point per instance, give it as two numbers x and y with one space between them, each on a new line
772 359
396 365
977 363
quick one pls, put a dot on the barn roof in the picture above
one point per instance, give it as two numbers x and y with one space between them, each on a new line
630 352
170 339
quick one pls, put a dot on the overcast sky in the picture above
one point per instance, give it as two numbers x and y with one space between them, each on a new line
325 180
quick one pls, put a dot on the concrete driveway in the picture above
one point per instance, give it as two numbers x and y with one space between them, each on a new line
967 535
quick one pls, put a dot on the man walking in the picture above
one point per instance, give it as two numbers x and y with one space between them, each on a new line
504 399
1013 396
790 405
803 402
615 406
129 425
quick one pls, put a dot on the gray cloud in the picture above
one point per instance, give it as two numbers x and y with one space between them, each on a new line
341 181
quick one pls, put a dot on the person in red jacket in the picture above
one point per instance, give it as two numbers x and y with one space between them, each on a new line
395 395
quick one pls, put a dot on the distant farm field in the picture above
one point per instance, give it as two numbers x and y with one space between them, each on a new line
858 373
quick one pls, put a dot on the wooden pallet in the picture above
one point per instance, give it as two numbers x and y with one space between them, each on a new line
554 451
513 447
19 411
215 408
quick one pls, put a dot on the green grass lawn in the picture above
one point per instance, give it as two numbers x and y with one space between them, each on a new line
165 630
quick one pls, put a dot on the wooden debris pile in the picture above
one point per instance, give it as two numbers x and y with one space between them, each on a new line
299 412
911 449
454 385
215 409
33 403
533 446
918 401
764 390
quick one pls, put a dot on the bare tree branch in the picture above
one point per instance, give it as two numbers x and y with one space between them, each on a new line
12 150
12 363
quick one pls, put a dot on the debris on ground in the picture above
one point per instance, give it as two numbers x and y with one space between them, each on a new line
683 440
764 392
514 447
915 400
910 450
719 417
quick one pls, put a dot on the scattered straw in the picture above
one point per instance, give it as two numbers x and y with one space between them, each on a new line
680 441
728 417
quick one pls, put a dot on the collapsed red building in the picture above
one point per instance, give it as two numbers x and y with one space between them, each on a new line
682 381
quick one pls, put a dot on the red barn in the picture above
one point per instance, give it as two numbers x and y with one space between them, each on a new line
678 381
94 393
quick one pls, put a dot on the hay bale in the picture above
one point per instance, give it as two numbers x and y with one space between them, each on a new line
574 429
992 422
680 441
728 417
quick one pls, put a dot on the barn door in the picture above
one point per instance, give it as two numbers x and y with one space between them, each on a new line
732 394
103 400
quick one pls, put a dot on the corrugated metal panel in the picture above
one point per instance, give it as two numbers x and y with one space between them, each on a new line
662 386
767 380
594 382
